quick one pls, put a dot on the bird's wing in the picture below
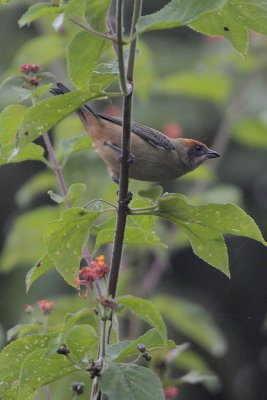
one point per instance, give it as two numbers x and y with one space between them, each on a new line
152 136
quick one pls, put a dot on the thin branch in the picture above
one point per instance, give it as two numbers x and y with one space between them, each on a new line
124 170
87 28
121 65
57 168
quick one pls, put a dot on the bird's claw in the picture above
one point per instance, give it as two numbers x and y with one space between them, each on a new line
130 159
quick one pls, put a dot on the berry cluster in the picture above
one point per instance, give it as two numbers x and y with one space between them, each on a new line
97 270
46 306
30 75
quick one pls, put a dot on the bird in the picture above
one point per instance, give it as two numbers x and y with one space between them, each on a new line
154 157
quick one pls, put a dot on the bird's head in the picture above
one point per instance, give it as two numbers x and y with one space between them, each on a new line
194 152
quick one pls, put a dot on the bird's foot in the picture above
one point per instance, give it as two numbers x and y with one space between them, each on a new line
130 159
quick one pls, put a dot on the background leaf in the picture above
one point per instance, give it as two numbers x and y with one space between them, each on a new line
66 254
176 13
129 381
84 52
145 310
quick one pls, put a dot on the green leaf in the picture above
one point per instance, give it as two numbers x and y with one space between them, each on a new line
83 55
13 356
21 330
75 192
205 225
81 317
82 340
74 7
152 193
65 238
129 381
147 311
31 151
41 266
210 86
224 23
102 77
96 14
37 11
46 113
251 132
76 144
134 236
194 322
43 49
177 13
151 339
10 119
24 243
57 198
249 14
38 371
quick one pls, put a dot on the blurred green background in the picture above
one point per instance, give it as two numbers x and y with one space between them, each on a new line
186 84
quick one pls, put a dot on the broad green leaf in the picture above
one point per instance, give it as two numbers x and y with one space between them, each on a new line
151 339
177 13
10 119
83 55
81 317
24 243
140 229
65 238
82 340
41 50
102 77
96 14
251 132
210 86
37 11
224 23
38 184
249 14
46 113
76 144
37 371
152 193
194 322
205 225
147 311
21 330
13 356
134 236
129 381
75 192
74 7
40 267
31 151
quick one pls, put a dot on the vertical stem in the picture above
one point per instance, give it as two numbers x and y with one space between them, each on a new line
57 167
124 171
119 18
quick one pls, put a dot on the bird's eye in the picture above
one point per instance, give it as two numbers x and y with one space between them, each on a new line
198 150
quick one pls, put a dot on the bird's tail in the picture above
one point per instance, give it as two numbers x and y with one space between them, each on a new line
61 89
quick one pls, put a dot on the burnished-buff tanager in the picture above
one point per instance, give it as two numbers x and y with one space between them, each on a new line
154 156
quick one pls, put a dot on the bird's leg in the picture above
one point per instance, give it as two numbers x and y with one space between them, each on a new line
118 149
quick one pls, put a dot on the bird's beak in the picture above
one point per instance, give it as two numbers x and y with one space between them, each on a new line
213 154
